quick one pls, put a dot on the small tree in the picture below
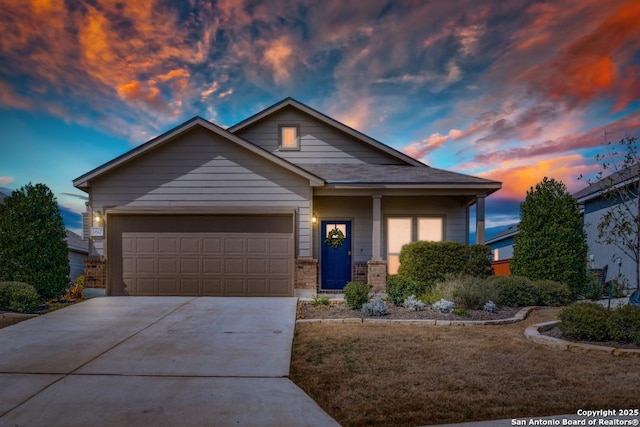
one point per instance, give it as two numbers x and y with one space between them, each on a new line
32 241
619 184
551 243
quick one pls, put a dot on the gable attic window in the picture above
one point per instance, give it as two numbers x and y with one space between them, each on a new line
289 137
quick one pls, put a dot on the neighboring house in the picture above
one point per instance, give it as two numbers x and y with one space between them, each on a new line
246 211
502 243
78 251
594 206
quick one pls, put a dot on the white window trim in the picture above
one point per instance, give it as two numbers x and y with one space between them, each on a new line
280 129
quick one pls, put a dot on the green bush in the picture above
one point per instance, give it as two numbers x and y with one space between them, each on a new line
430 262
551 242
553 294
585 321
624 324
18 296
319 300
32 241
400 287
514 291
479 264
466 291
356 294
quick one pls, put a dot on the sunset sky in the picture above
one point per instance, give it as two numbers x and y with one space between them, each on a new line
508 90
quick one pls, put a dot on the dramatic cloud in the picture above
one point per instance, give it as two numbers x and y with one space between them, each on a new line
502 89
6 180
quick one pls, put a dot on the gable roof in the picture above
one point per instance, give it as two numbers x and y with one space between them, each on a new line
290 102
617 179
75 242
503 235
418 176
83 182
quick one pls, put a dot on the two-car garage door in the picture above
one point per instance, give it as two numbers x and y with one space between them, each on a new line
215 255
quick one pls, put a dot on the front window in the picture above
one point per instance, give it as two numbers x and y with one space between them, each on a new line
289 138
401 231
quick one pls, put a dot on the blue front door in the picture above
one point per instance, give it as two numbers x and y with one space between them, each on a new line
335 258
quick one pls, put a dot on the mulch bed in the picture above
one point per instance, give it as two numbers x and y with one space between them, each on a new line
340 311
556 333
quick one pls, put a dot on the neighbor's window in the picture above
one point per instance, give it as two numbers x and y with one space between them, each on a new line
289 138
401 231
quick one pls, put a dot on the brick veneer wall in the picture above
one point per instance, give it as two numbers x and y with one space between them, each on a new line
95 273
306 274
377 275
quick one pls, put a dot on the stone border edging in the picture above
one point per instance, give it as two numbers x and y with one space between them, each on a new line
533 333
13 315
519 316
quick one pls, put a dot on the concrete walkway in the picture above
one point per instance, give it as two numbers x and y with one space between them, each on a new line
155 361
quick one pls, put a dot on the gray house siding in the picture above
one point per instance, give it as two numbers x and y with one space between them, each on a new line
606 254
76 265
319 143
449 208
204 170
360 211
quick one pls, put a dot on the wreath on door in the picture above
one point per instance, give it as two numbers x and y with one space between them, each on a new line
335 238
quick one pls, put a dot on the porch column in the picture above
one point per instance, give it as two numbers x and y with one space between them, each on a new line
480 219
376 241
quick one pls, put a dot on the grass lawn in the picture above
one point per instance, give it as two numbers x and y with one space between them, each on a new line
409 375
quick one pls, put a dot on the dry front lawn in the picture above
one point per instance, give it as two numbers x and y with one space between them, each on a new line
409 375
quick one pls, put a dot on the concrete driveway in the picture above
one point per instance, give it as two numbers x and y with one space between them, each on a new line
155 361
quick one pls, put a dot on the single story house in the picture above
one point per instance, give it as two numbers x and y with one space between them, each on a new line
287 202
78 251
502 243
594 206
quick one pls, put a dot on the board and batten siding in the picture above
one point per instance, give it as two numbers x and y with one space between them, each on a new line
202 169
319 143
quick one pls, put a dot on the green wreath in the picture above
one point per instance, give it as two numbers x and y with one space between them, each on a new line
335 238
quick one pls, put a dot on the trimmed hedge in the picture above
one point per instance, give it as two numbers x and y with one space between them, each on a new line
400 288
430 262
514 291
585 321
18 296
553 294
624 324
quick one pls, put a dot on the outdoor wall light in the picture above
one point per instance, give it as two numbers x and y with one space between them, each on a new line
314 218
97 218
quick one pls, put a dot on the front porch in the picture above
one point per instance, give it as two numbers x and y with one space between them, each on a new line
376 226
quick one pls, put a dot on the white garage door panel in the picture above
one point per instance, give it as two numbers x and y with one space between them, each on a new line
229 264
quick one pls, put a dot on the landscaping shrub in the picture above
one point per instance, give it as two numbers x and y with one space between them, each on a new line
18 296
356 294
462 312
429 262
490 307
514 291
552 293
400 287
479 264
592 288
443 306
585 321
32 241
376 307
624 324
320 300
551 242
413 304
466 291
